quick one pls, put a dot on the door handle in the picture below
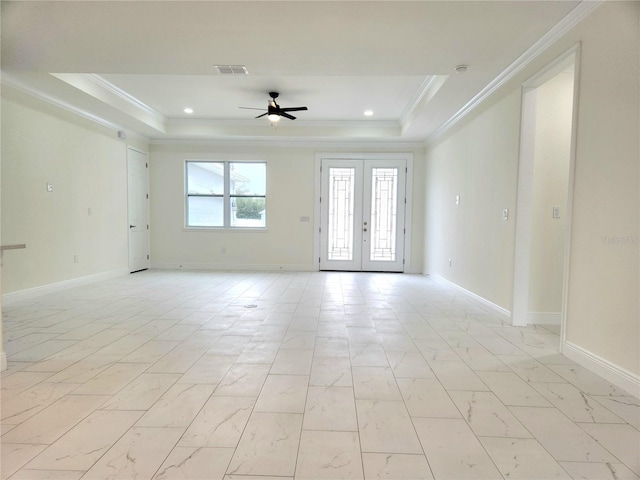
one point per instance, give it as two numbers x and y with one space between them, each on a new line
132 226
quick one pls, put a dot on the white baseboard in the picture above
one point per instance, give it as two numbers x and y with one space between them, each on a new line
544 318
3 362
614 374
472 295
31 293
233 267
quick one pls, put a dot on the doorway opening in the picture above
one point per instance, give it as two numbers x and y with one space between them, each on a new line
544 204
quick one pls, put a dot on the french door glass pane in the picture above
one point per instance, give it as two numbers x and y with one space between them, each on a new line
341 213
205 211
384 207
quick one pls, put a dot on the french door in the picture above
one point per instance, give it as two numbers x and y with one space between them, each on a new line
362 215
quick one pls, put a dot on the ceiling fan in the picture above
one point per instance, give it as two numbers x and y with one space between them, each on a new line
274 111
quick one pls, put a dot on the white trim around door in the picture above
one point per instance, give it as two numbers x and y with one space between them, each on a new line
520 315
138 209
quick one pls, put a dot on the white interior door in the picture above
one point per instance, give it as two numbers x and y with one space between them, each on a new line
138 202
362 215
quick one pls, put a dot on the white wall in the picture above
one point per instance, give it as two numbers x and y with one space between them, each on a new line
86 164
554 111
286 244
603 302
3 355
478 163
603 317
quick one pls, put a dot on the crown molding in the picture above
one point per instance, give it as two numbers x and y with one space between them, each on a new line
415 102
10 81
107 85
573 18
288 142
426 92
297 124
112 96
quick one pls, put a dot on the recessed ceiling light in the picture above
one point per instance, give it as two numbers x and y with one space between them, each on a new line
461 68
188 110
368 113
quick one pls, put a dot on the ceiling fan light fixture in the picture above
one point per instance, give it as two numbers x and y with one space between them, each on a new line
368 113
188 110
273 117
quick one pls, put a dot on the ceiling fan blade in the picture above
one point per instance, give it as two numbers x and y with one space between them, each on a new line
274 109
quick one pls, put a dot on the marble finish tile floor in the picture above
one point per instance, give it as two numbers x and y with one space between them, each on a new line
318 375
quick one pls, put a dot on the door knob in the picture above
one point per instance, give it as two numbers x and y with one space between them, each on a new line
132 226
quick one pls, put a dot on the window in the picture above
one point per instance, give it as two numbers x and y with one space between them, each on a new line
226 194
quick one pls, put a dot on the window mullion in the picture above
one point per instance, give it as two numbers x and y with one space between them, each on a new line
227 195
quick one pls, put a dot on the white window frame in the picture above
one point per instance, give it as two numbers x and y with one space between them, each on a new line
226 196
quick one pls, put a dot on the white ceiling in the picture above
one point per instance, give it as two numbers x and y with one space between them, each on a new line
137 64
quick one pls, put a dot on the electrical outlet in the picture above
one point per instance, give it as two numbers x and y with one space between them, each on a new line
76 258
450 263
505 214
49 187
457 199
556 212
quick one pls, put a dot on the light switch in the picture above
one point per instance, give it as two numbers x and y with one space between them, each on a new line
457 199
556 212
505 214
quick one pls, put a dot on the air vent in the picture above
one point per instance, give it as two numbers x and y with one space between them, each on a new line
231 69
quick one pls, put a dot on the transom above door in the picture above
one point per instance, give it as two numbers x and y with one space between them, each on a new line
362 214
